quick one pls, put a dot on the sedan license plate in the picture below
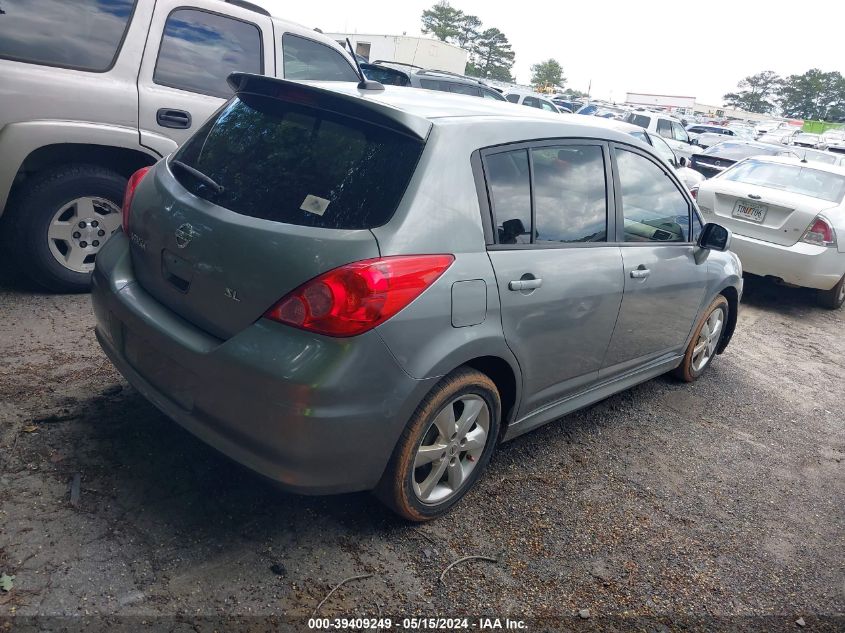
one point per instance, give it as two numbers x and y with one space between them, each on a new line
751 212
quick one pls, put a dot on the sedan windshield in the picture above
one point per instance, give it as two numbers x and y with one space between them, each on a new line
792 178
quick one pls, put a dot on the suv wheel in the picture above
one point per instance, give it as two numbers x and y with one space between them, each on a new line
445 447
61 219
705 340
833 298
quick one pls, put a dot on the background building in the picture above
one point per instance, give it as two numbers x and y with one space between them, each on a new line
419 51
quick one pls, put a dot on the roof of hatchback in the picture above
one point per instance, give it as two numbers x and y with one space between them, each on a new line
437 106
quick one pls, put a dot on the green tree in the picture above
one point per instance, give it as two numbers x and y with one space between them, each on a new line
492 56
468 30
443 21
813 95
549 72
757 92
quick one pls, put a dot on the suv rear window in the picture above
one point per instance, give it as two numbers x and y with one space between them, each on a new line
85 34
299 165
638 119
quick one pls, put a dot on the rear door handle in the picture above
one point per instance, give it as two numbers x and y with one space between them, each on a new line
640 273
176 119
525 284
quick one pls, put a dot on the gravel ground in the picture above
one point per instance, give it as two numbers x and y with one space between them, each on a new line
720 502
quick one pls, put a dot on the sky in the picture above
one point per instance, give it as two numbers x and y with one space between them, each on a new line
654 46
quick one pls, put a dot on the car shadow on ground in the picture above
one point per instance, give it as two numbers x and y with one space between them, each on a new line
142 468
768 295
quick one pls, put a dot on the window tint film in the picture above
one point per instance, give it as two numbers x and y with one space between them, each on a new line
299 165
531 102
84 34
431 84
570 200
639 119
653 208
385 76
512 98
306 59
199 50
509 187
664 128
464 89
802 180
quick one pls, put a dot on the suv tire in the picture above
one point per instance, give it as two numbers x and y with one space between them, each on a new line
834 298
414 467
704 343
34 209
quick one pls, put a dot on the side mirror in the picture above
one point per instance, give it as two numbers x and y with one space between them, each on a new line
714 237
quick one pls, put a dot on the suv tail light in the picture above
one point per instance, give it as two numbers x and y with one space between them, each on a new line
694 192
357 297
820 233
134 180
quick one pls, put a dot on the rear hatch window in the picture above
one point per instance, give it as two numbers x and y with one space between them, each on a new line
294 164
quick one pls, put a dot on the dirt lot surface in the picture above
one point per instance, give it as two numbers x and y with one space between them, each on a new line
723 500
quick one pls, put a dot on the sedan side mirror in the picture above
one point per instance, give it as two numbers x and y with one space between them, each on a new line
714 237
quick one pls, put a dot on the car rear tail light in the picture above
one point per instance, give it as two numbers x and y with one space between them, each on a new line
694 193
357 297
820 233
134 180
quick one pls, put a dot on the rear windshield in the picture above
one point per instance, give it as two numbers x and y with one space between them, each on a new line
802 180
299 165
738 151
638 119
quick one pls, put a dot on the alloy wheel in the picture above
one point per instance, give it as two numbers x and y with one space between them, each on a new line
451 448
708 340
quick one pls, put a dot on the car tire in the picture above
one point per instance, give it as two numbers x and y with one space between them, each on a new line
834 298
56 200
704 343
406 486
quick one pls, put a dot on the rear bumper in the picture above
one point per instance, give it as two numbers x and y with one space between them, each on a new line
801 264
317 415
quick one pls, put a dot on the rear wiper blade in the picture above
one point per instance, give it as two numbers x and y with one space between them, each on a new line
196 173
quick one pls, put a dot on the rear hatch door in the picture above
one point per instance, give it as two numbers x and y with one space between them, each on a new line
270 193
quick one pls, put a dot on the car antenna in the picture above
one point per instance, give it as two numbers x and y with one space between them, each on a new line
364 84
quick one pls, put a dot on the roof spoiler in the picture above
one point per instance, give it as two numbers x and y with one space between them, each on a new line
351 105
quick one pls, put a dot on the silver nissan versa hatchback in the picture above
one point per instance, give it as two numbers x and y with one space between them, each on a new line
351 289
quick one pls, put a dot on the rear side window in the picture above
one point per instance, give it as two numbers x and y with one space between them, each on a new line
653 208
491 94
464 89
664 128
512 98
306 59
509 186
299 165
432 84
639 119
84 34
570 197
199 50
531 102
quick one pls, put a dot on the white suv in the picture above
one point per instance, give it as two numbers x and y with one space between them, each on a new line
670 128
104 87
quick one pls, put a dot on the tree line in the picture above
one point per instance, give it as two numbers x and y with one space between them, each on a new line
815 95
490 54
